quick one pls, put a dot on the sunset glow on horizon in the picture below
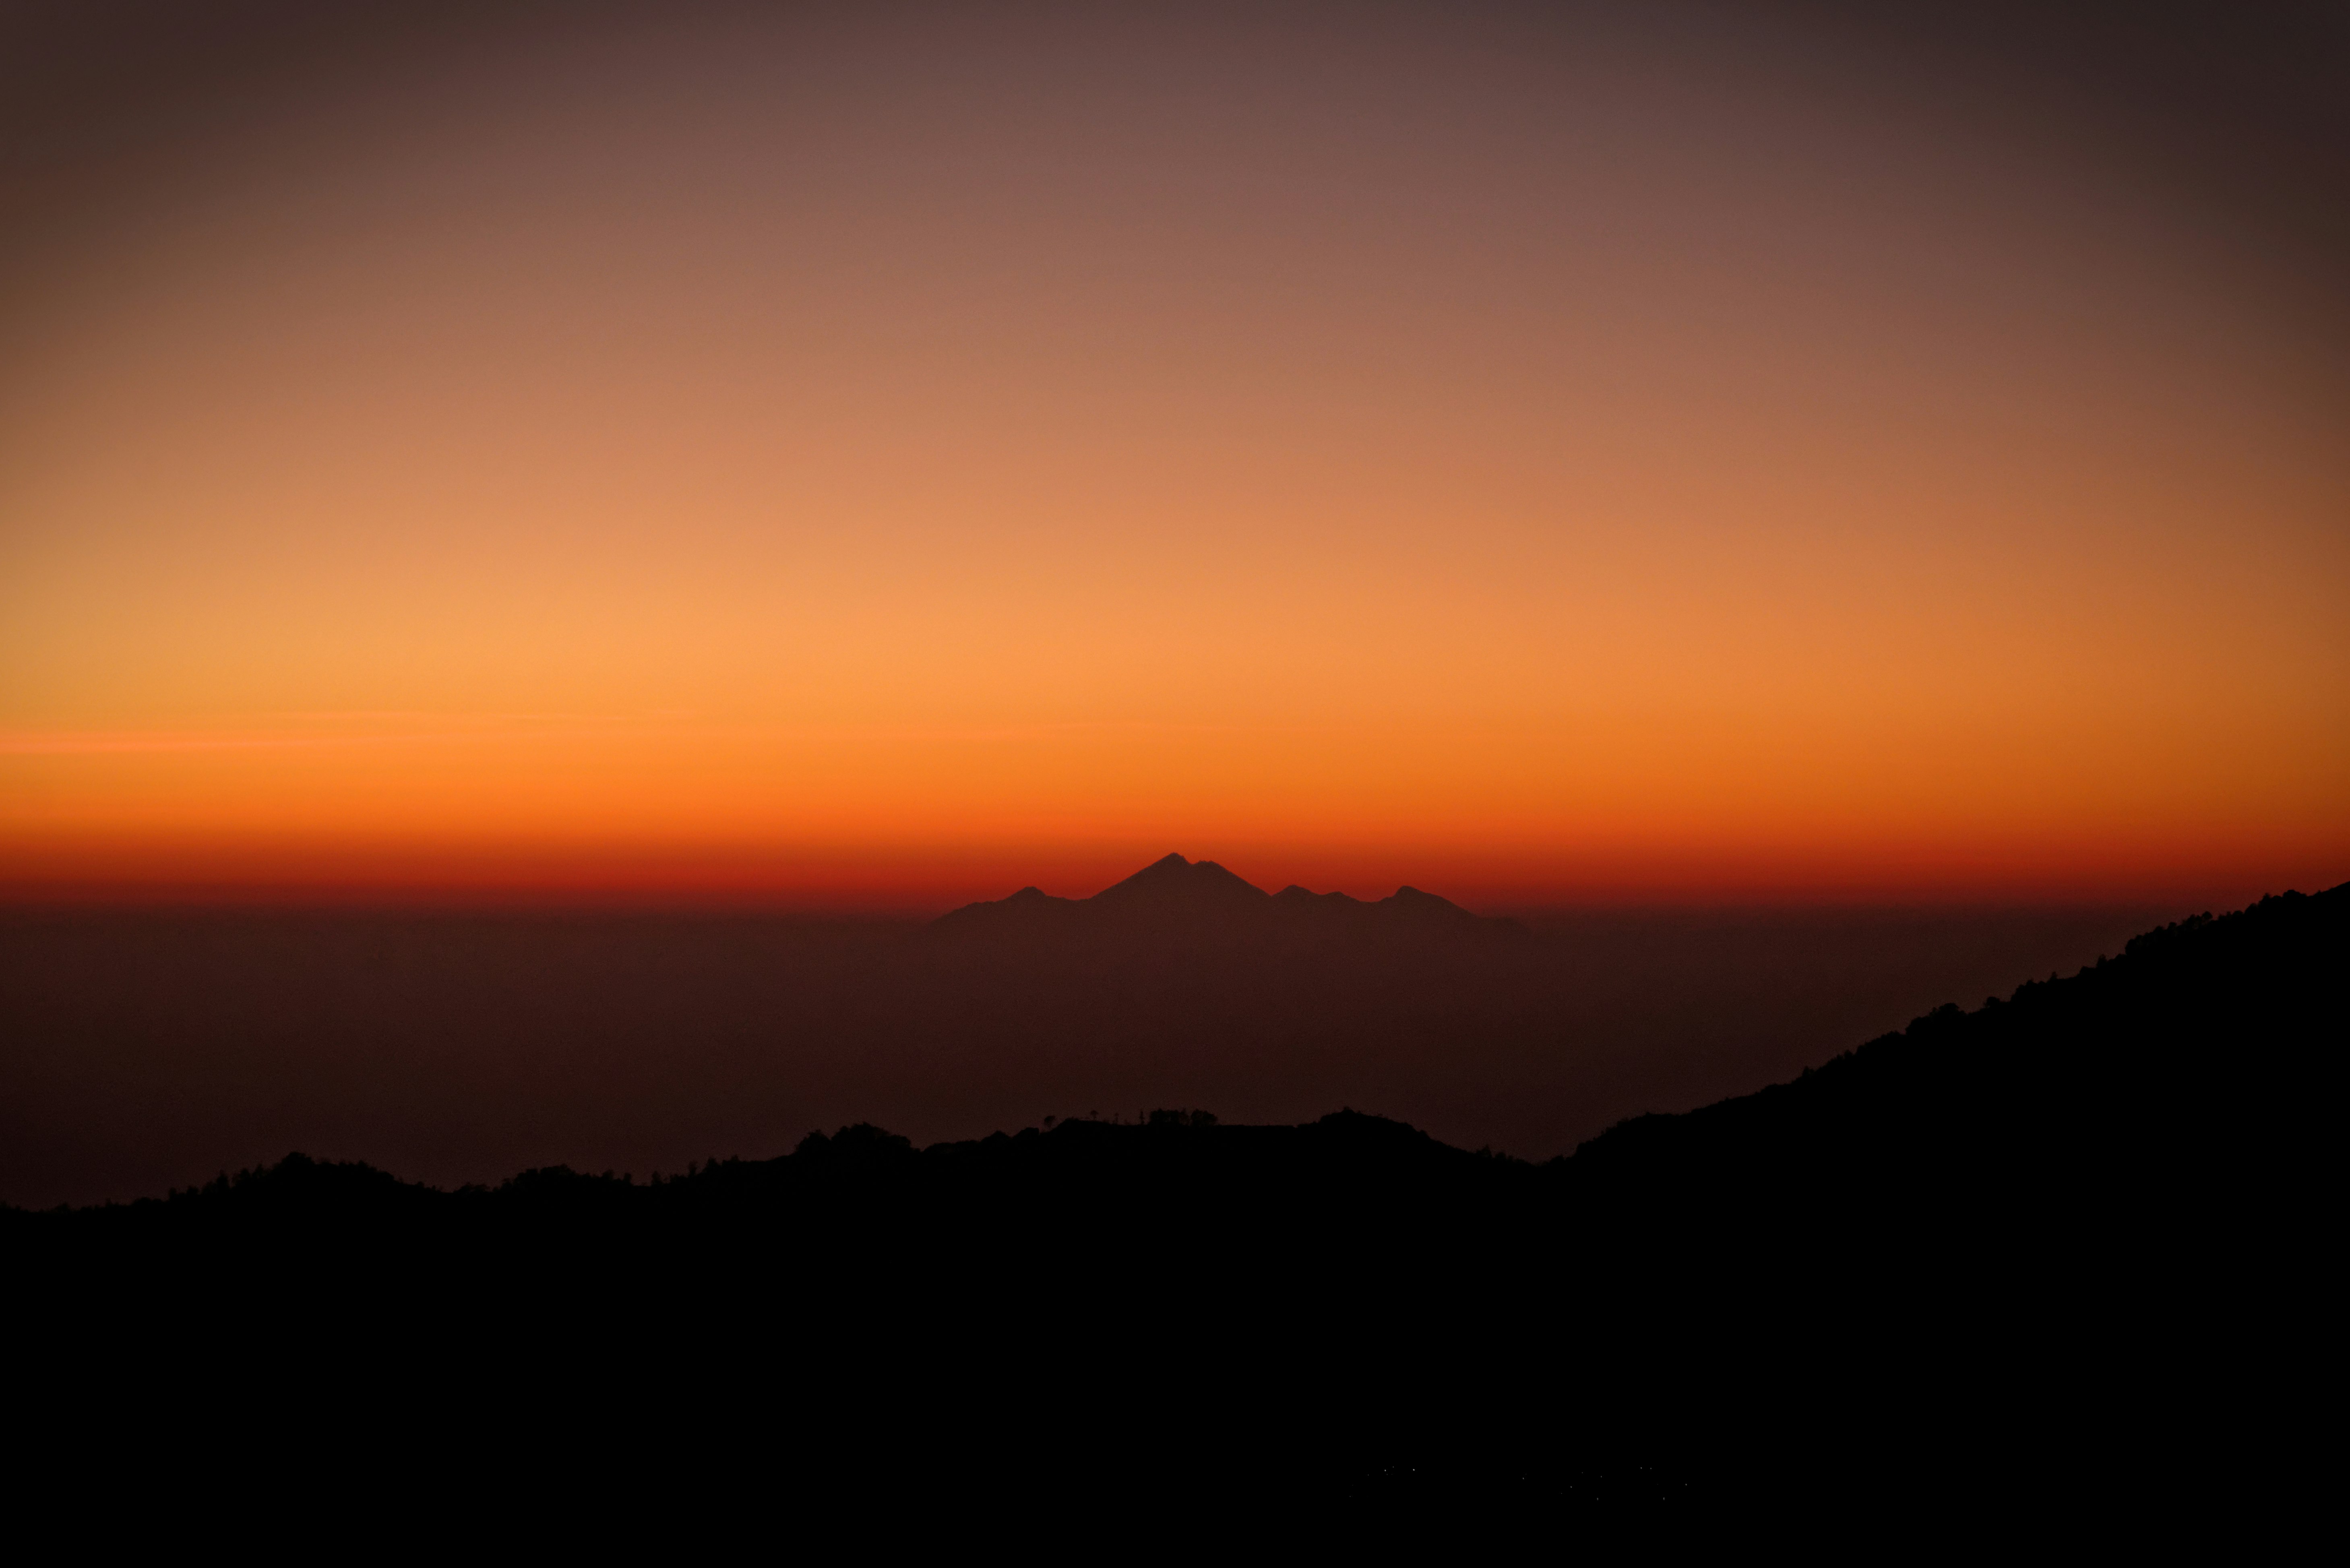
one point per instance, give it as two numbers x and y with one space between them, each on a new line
872 463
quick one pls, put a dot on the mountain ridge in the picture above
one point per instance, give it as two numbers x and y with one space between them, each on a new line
1173 896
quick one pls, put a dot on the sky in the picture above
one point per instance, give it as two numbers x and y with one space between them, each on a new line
873 457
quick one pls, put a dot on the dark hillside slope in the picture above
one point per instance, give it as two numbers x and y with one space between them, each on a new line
2205 1055
2077 1236
2030 1248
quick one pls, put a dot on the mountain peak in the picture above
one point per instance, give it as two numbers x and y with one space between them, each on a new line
1174 884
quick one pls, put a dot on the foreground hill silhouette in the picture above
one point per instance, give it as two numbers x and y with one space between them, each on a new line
2067 1245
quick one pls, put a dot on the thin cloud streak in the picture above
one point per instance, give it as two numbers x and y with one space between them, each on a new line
574 726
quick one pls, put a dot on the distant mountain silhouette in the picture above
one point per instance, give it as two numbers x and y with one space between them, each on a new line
1175 896
2064 1252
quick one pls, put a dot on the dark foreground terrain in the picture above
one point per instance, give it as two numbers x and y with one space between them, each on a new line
2065 1252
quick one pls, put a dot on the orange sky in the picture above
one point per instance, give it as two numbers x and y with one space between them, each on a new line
881 467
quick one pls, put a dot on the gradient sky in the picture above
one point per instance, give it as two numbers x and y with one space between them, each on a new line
886 455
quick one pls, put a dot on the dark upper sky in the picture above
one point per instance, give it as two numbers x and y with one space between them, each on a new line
2242 107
